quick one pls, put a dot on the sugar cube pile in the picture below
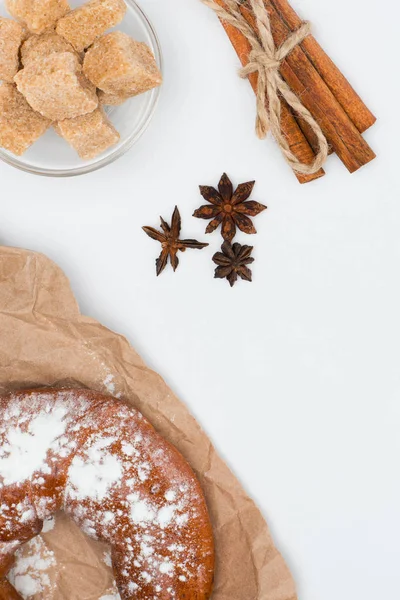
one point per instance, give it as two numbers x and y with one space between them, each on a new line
59 67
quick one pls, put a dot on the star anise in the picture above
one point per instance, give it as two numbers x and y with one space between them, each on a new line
233 261
229 208
170 242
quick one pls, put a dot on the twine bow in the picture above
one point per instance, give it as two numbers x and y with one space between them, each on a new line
265 59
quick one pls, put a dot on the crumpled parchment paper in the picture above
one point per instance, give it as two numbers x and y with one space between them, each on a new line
44 340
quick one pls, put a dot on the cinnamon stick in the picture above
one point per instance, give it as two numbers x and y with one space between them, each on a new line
305 81
350 101
307 130
294 135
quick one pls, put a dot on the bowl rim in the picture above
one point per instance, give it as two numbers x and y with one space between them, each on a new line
125 146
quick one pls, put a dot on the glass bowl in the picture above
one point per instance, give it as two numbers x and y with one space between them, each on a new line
53 157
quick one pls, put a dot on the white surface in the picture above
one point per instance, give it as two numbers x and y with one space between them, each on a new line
312 346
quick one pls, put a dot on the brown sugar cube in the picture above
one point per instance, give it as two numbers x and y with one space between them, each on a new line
20 126
117 64
107 99
39 46
90 134
11 37
56 87
84 24
37 15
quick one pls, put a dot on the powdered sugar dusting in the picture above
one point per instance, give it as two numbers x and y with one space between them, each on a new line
30 575
109 379
93 478
119 483
109 383
48 524
147 514
25 448
111 594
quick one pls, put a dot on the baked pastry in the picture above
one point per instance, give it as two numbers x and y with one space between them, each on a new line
103 464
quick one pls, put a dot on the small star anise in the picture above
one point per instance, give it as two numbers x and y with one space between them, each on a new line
229 208
170 242
232 262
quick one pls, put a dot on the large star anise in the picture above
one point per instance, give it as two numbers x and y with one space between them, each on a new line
170 242
232 262
229 208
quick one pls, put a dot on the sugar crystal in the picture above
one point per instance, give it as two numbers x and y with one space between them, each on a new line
39 46
37 15
84 24
56 87
117 64
11 37
89 134
107 99
20 125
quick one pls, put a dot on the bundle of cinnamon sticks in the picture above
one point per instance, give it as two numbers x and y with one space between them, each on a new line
322 88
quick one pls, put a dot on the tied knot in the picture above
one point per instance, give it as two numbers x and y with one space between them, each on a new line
259 60
265 59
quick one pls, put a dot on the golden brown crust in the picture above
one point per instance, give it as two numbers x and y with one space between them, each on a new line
7 591
121 482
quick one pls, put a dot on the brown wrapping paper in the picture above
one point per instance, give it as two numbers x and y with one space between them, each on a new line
46 341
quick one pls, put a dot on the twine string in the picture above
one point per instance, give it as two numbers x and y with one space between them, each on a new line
265 59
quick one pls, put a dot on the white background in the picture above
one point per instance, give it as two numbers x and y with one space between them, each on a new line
295 376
